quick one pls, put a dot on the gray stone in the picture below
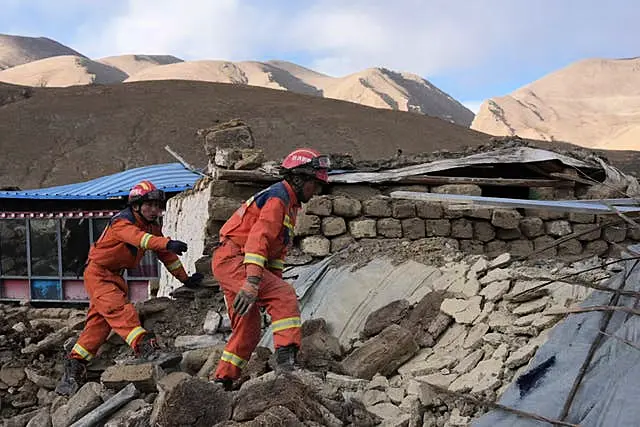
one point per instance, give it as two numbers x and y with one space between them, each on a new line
493 338
588 236
43 381
372 397
495 248
506 218
221 208
318 246
211 322
465 288
545 242
478 212
387 411
403 208
41 419
341 242
520 247
438 227
483 231
614 233
319 205
544 214
633 233
484 377
496 274
429 210
346 207
395 394
378 382
12 375
182 407
452 211
333 226
385 316
508 234
382 354
86 399
191 342
583 218
143 376
390 228
558 228
378 207
461 229
475 247
570 247
307 225
413 228
532 227
464 189
361 228
596 247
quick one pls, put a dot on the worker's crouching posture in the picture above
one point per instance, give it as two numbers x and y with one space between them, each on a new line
121 246
249 261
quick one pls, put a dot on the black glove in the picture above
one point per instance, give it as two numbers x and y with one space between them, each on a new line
194 280
176 246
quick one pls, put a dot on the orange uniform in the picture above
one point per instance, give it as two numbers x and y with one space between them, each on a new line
254 242
121 246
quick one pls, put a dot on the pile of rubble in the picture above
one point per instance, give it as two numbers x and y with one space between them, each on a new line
411 365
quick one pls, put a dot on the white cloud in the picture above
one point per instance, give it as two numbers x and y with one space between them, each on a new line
427 37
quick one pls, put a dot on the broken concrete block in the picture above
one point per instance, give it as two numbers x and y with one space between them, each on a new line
531 307
193 360
361 228
614 233
191 342
382 354
318 246
474 337
211 322
333 226
483 231
520 248
12 374
341 242
346 207
532 227
379 319
194 402
395 394
496 290
41 419
84 401
469 362
463 189
437 227
463 311
144 376
372 397
461 228
521 356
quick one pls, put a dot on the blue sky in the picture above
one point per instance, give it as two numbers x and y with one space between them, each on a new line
471 49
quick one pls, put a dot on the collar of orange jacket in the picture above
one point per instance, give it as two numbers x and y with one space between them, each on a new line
292 194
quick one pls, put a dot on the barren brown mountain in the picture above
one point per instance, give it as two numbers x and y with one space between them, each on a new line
53 136
18 50
131 64
593 103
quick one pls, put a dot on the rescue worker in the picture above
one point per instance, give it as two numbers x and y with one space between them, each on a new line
121 246
249 260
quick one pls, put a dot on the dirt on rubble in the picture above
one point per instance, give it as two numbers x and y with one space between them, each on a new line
429 251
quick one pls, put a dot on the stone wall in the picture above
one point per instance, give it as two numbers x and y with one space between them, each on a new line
349 213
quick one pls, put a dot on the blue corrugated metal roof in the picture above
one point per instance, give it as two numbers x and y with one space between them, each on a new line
170 177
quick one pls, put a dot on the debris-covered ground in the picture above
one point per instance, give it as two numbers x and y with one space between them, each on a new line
469 338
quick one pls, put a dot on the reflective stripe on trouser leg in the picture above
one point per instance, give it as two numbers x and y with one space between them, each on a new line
133 336
282 305
82 352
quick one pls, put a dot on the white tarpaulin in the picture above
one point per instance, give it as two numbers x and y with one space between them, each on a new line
345 298
608 393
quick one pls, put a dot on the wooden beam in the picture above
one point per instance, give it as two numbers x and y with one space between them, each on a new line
257 176
498 182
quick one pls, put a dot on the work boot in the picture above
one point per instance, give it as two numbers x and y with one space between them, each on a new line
226 383
286 358
74 377
147 350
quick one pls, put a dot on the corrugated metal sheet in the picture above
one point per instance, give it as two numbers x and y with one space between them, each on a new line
170 177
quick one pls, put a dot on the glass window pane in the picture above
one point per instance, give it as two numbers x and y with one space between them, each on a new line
148 266
44 247
13 247
75 245
99 225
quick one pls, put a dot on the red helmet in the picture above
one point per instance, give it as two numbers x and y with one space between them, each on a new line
145 191
309 162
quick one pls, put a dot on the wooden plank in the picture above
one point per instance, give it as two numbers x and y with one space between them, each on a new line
552 205
498 182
